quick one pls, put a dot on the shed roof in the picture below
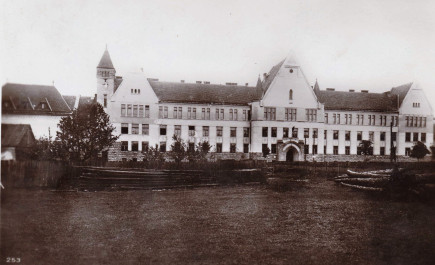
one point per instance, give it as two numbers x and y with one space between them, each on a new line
17 135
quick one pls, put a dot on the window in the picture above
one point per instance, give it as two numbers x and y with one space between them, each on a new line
350 119
219 130
335 118
335 135
335 150
424 121
145 129
177 130
134 146
219 114
347 150
359 136
205 131
347 135
147 111
245 148
294 132
124 128
407 151
233 132
194 114
135 108
222 117
306 133
232 148
231 114
165 114
273 149
162 146
315 149
135 128
290 114
273 132
264 149
189 112
382 151
311 114
191 130
162 129
382 136
208 114
285 132
358 150
290 94
324 149
140 110
123 109
415 137
129 110
338 119
394 136
175 116
306 149
191 147
160 112
219 148
269 114
124 146
362 119
326 117
423 137
265 131
315 133
235 115
408 137
244 117
105 101
245 132
325 135
145 146
203 114
371 136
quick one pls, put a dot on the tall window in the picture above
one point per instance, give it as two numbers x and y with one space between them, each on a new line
203 114
244 117
290 94
235 115
208 114
105 101
295 132
246 132
205 131
177 130
347 136
408 137
135 146
311 114
141 111
175 116
359 136
147 111
219 131
124 146
194 114
335 135
273 132
219 148
306 133
145 129
290 114
135 128
123 110
233 132
326 117
191 130
160 112
382 136
124 128
129 110
285 132
232 148
315 133
189 112
231 114
165 114
269 114
135 109
371 136
265 131
162 129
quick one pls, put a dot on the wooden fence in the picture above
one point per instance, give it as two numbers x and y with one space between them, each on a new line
28 174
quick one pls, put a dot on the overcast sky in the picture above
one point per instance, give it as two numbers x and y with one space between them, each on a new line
372 45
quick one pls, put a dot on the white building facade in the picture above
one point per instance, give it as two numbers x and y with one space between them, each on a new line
282 114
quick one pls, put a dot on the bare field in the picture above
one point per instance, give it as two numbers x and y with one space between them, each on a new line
321 223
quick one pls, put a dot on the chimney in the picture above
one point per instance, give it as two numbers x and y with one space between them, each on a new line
330 89
207 82
351 90
182 81
264 76
231 84
364 91
199 82
246 84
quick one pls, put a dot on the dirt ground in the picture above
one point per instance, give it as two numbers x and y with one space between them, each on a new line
321 223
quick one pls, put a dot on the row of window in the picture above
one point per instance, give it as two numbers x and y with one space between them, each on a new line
359 119
233 114
162 147
415 137
145 129
415 121
290 114
130 110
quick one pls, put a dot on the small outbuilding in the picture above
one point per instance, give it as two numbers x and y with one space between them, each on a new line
17 141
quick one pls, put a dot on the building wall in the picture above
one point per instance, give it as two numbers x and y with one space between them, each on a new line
41 124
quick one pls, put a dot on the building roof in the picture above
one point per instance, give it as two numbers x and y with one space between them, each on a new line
17 135
105 61
70 101
341 100
271 75
401 91
85 101
32 99
204 93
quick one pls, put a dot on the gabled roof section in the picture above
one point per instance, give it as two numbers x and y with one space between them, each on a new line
401 91
83 101
316 87
33 99
204 93
106 61
17 135
341 100
70 101
271 75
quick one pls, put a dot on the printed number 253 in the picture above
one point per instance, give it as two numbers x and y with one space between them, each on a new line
13 260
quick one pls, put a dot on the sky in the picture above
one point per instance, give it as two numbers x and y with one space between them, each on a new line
344 44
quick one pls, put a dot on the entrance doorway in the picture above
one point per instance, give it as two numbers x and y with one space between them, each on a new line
289 156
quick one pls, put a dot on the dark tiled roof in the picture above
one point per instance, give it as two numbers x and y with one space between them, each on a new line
29 99
204 93
85 101
17 135
118 81
340 100
401 91
271 75
105 61
70 101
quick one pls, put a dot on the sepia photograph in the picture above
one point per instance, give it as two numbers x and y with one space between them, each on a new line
217 132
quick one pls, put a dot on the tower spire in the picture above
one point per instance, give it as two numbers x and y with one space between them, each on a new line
106 61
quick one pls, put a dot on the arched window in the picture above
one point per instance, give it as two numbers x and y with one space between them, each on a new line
290 96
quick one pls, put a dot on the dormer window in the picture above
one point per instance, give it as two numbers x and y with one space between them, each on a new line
416 105
135 91
290 94
42 105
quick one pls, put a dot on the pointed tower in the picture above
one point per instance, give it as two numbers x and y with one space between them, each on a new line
105 79
259 87
316 88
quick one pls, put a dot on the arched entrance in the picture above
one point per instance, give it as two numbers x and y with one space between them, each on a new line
289 151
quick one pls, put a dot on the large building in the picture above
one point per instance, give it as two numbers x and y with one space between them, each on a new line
282 113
